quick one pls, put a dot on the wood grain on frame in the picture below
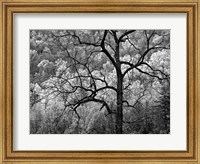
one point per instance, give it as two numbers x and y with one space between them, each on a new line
9 7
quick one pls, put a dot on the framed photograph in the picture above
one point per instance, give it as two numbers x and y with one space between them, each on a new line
99 82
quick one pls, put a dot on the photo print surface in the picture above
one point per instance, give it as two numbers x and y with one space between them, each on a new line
100 81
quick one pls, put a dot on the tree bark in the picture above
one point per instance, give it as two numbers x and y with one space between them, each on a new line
119 111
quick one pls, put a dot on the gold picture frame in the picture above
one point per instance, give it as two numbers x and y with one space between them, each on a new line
10 7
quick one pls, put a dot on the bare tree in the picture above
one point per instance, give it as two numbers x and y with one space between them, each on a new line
82 47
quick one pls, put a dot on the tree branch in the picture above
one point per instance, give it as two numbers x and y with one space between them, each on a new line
105 50
155 70
124 34
150 74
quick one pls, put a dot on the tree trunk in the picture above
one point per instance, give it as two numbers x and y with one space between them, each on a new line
119 111
118 116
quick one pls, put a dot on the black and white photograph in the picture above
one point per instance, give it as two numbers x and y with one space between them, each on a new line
102 81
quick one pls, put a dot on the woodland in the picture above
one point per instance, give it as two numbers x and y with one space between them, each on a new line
99 81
